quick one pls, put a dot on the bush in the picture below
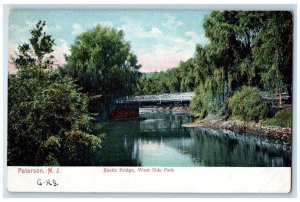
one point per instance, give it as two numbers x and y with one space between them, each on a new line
43 109
79 147
282 118
247 104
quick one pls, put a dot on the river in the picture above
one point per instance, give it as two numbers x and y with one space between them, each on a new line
160 140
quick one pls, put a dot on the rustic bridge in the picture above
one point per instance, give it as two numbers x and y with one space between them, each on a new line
172 98
128 107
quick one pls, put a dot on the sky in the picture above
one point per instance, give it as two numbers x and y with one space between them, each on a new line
160 39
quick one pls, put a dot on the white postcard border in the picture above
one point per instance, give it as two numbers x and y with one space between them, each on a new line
149 179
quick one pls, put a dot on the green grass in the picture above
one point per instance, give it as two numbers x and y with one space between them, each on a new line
282 118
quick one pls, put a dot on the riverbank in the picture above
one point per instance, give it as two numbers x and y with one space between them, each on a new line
243 126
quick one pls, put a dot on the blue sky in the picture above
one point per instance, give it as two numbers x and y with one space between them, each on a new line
160 39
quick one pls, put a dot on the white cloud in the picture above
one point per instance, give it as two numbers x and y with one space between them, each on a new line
167 51
192 35
16 29
20 34
171 22
52 29
12 49
185 43
170 51
104 23
77 29
60 50
154 32
134 30
162 58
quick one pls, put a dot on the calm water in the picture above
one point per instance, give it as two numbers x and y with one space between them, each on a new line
161 141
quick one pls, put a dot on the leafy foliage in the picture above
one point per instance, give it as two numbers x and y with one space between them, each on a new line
158 82
272 51
43 112
209 97
181 79
282 118
102 65
80 147
248 105
48 121
246 48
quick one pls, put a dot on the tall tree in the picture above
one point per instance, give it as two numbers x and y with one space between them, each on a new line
249 48
273 50
36 53
102 64
223 48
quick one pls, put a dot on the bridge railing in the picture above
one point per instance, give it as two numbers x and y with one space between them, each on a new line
277 100
161 97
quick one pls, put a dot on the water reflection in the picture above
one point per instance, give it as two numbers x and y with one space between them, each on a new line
161 141
220 148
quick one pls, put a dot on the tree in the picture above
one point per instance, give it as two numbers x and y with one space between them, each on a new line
273 51
36 53
102 64
250 48
222 50
48 121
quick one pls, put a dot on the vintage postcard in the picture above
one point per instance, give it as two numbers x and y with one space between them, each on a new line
149 101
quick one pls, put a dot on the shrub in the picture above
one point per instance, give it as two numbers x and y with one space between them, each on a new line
79 147
247 104
282 118
43 109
